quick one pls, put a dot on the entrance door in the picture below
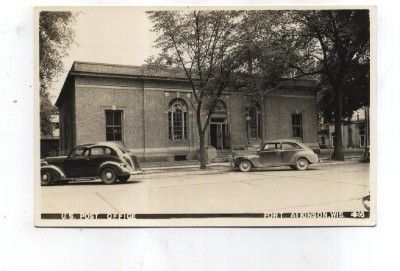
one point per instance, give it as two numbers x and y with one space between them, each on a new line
219 134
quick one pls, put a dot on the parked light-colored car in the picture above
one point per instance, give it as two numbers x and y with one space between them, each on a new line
277 153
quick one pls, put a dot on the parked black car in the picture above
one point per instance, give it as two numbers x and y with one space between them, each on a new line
108 161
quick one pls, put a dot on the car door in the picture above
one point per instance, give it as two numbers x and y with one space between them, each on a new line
75 163
289 149
96 157
271 154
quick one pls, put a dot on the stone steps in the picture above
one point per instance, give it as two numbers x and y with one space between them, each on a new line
222 156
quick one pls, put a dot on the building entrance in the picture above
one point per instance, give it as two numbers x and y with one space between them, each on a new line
219 134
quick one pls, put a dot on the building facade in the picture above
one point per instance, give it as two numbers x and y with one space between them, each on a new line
151 113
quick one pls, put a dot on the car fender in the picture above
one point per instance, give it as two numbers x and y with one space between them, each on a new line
254 160
115 165
56 172
305 154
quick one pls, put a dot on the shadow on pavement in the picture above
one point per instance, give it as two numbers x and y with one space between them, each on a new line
74 183
281 169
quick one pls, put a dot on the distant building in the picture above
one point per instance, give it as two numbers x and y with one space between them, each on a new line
355 132
50 144
151 113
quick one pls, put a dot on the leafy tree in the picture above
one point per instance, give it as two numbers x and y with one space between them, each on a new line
56 36
262 59
334 46
201 43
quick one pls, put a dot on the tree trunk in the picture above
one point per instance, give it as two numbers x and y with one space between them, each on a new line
202 150
338 150
201 132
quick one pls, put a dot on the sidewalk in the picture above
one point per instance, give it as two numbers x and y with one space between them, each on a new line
348 153
154 167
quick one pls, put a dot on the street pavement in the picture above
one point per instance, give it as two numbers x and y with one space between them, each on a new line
325 187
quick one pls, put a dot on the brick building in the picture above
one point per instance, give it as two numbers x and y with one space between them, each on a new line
150 112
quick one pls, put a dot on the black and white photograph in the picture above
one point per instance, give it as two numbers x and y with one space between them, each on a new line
205 116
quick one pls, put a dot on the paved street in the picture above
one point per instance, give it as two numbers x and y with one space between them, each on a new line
321 188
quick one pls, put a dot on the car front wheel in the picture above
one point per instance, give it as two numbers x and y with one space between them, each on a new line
302 164
108 176
45 177
245 166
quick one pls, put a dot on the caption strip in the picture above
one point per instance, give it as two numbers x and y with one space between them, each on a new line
275 215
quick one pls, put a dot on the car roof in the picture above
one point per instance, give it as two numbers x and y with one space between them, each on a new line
283 141
105 144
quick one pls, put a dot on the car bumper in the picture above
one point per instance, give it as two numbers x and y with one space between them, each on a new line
129 171
138 172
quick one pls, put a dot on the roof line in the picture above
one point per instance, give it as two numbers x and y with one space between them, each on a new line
121 75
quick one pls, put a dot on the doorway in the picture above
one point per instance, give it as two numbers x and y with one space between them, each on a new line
219 134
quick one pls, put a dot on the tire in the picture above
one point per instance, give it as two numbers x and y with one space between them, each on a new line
302 164
108 176
123 179
245 166
45 177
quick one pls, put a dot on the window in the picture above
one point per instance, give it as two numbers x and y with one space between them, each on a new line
113 125
109 151
177 119
254 121
97 151
220 107
297 125
289 146
361 127
271 147
362 141
80 152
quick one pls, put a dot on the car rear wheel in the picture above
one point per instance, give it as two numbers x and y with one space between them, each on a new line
245 166
302 164
123 179
45 177
108 175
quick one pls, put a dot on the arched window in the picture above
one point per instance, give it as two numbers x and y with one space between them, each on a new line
177 119
220 107
254 121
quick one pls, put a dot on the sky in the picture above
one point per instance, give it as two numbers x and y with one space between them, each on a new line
117 35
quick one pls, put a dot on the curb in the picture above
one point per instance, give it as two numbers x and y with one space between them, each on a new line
350 161
157 169
227 164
